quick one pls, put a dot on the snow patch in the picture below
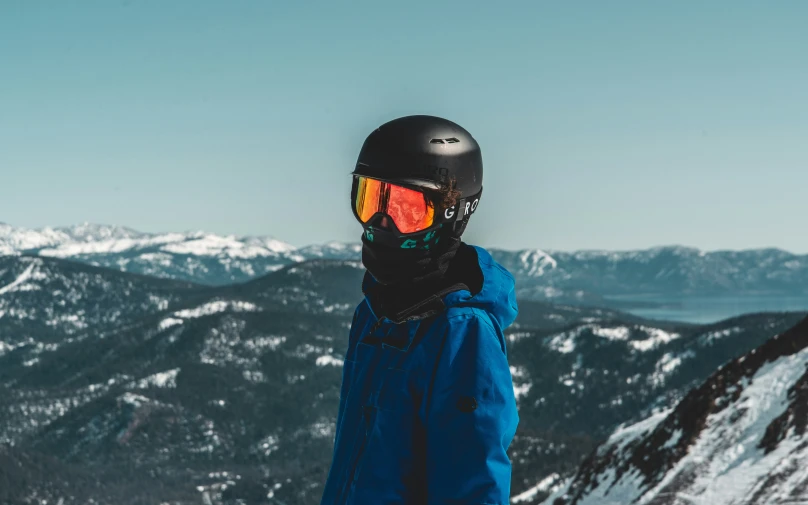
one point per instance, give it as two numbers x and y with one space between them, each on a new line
521 387
6 347
168 323
619 333
656 337
536 262
20 281
254 376
666 365
675 437
267 445
337 306
134 399
162 259
328 360
710 337
521 390
563 343
166 379
518 335
215 307
323 429
544 485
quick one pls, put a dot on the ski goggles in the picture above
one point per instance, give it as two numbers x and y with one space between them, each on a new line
411 210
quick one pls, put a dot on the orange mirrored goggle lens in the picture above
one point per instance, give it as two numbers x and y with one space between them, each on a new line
409 209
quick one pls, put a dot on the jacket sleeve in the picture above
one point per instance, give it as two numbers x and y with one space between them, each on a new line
471 417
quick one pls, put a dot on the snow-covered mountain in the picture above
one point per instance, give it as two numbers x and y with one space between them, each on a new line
17 240
193 256
583 277
737 439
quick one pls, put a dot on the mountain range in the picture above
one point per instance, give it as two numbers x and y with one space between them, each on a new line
583 277
125 388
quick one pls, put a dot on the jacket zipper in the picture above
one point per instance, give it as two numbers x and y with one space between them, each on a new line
346 491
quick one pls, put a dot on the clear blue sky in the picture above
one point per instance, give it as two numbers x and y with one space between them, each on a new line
607 125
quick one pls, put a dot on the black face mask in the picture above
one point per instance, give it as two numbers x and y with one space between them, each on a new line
407 277
406 267
416 280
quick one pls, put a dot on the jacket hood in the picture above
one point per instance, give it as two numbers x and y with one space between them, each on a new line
497 296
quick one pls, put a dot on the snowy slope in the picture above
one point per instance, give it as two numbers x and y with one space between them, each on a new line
737 439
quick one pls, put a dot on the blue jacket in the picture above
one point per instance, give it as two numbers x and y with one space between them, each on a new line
427 408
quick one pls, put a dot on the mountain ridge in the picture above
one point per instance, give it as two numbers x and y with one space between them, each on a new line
593 277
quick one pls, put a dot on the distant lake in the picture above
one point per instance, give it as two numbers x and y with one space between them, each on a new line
707 309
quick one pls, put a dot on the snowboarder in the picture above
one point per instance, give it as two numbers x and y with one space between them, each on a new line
427 408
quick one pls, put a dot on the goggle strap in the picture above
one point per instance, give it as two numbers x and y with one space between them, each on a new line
461 209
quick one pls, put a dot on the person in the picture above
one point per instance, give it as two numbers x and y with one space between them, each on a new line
427 409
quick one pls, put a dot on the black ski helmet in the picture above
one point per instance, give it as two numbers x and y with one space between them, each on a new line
428 153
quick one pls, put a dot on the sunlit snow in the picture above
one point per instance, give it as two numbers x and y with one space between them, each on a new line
19 281
268 445
517 335
214 307
325 428
564 342
535 262
167 379
655 338
521 386
619 333
328 360
168 323
710 337
667 364
544 485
